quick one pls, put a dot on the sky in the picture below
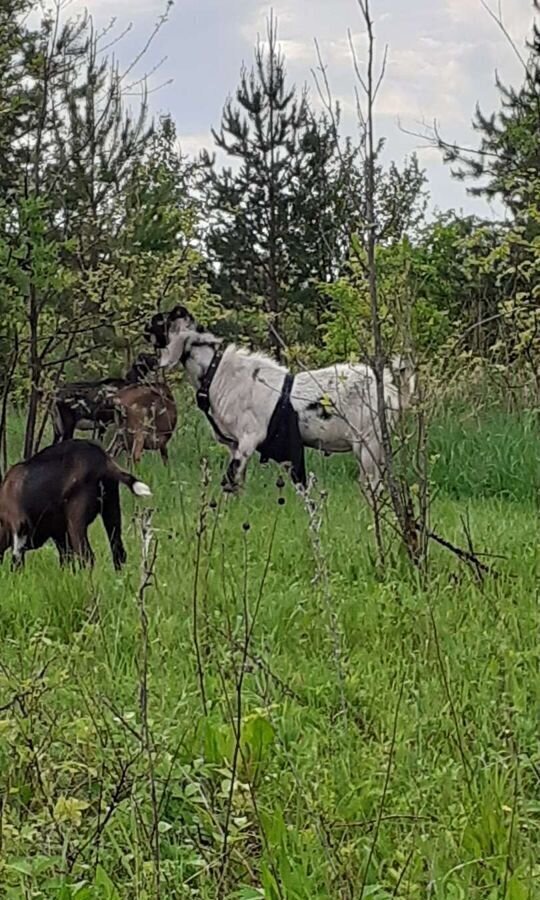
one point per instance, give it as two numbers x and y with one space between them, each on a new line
442 59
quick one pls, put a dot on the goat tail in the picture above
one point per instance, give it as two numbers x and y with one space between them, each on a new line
115 473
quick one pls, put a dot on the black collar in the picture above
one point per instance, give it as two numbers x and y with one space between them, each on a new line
203 394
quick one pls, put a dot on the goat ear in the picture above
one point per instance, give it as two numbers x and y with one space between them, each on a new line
157 321
179 312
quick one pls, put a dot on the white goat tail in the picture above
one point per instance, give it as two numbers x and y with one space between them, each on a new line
141 489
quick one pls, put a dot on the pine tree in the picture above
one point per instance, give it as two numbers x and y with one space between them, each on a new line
508 157
258 220
17 46
96 144
159 197
281 220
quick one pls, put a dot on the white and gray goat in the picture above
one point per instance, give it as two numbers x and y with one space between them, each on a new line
336 406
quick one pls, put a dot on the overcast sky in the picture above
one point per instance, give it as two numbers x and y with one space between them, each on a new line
442 59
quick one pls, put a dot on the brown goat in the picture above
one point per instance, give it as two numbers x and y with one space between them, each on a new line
57 494
89 404
147 417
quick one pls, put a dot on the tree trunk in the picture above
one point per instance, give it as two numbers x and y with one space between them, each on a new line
35 373
10 372
274 332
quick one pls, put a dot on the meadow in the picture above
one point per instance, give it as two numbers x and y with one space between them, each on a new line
266 714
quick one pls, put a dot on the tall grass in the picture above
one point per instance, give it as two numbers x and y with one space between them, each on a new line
385 731
486 454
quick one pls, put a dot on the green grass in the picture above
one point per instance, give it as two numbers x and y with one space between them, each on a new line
487 455
389 729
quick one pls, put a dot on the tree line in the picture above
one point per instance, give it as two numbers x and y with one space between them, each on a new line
102 220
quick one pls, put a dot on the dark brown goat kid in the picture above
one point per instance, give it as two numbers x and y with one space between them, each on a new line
57 494
146 418
90 404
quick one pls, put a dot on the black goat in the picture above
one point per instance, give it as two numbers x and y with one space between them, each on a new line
57 494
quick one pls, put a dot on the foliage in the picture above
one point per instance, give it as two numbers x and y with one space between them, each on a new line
410 308
308 737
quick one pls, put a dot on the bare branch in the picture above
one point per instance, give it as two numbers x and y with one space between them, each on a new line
382 73
356 64
497 17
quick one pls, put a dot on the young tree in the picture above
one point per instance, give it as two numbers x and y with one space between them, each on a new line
260 224
15 39
162 227
69 271
160 193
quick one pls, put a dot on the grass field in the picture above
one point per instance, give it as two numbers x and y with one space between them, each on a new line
386 730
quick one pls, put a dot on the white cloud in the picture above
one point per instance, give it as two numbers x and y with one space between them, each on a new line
337 51
298 51
517 15
293 51
256 22
430 82
433 60
108 9
192 144
428 154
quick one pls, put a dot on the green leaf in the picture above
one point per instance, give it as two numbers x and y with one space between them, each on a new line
103 881
22 866
248 893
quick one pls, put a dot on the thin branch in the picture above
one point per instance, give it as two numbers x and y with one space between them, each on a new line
464 555
436 140
382 72
148 562
356 64
201 528
498 19
444 676
157 27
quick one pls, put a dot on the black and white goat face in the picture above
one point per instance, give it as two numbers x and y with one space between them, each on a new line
163 325
178 347
156 330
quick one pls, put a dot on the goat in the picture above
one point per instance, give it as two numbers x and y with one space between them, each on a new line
88 405
146 420
57 494
336 406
